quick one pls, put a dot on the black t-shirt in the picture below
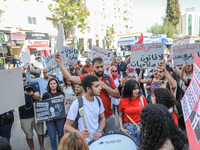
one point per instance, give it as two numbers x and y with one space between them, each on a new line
27 111
50 95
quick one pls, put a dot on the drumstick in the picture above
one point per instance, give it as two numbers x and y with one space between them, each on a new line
133 121
82 113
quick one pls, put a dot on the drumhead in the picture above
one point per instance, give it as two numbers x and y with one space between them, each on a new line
115 140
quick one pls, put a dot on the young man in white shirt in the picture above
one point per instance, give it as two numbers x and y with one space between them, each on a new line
93 111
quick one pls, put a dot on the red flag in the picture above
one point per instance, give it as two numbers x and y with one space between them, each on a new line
140 39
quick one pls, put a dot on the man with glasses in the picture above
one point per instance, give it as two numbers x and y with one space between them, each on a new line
27 118
121 66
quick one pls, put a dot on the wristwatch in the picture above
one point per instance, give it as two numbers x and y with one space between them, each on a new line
99 130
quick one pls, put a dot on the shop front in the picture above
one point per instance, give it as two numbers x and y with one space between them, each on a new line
37 45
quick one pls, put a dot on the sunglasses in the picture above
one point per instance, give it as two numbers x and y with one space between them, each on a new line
131 77
189 65
24 80
114 70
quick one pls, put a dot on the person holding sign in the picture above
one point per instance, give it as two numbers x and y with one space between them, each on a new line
131 104
94 111
54 90
108 87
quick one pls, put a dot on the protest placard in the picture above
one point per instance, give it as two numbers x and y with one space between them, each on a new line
26 58
71 54
147 55
59 38
96 51
11 89
52 108
68 102
185 53
191 107
182 40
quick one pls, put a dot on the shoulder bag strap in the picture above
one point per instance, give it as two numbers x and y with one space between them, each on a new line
141 98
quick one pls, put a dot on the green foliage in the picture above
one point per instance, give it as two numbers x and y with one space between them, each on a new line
168 29
173 13
71 13
109 32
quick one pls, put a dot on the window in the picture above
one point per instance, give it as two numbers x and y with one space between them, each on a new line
189 24
181 25
32 20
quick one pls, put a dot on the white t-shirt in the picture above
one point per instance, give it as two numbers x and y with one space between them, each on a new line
67 90
92 112
115 101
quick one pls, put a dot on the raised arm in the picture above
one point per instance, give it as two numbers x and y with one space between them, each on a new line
182 74
129 57
65 72
147 81
28 76
176 70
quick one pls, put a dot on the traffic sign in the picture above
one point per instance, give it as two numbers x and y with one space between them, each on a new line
108 38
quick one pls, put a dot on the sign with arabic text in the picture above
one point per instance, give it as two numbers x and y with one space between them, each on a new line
100 52
71 54
147 55
185 53
182 40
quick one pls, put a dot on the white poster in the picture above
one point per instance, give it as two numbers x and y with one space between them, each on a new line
11 89
71 54
26 58
96 51
182 40
147 55
59 38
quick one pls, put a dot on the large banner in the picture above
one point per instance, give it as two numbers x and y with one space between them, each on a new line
68 102
182 40
69 57
147 55
185 53
11 89
191 107
96 51
52 108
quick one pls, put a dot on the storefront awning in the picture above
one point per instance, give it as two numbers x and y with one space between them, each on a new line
167 41
126 41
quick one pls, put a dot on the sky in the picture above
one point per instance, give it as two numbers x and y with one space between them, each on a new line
148 12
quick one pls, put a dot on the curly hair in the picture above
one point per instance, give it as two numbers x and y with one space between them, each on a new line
157 127
164 97
129 87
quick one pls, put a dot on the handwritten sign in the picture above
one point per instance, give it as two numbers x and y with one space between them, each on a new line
68 102
100 52
52 108
70 54
59 38
185 53
147 55
182 40
191 107
26 58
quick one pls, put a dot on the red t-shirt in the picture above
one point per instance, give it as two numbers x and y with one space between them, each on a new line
132 109
175 118
104 95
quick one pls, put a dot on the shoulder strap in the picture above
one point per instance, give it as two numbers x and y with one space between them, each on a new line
107 79
98 100
49 94
168 86
141 98
80 104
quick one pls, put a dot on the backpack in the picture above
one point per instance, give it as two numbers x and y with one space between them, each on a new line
80 102
179 96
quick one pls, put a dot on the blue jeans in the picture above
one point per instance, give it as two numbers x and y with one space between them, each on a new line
114 107
52 126
134 131
5 131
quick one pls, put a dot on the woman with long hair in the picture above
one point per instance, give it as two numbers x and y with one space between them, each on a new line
79 91
165 97
159 131
73 141
68 87
53 125
131 104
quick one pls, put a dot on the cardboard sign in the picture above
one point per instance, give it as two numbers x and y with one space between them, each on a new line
68 102
191 107
52 108
185 53
96 51
147 55
11 89
26 58
59 38
71 54
182 40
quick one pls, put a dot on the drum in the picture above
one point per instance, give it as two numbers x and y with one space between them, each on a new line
113 141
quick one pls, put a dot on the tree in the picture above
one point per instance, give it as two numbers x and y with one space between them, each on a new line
173 13
109 32
71 13
168 29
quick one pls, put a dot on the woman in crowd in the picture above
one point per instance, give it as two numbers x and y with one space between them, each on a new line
115 76
53 125
131 70
164 97
183 77
131 104
159 131
79 91
68 87
73 141
188 69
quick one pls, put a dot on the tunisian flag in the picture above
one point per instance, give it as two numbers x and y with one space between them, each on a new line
140 39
